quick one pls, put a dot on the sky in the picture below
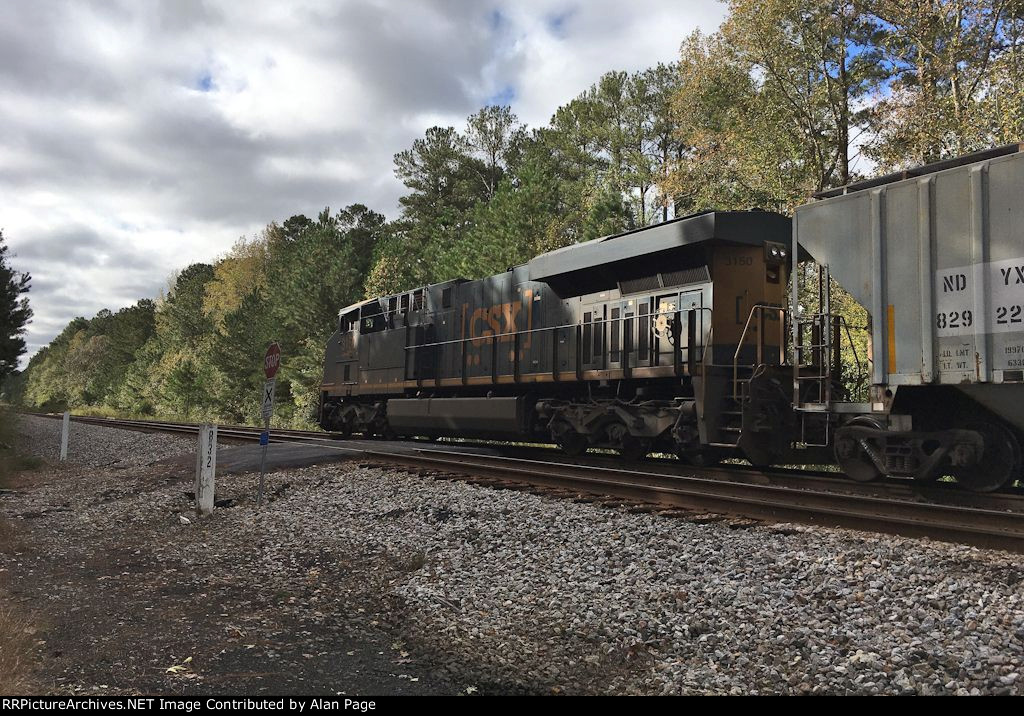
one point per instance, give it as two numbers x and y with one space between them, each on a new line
139 136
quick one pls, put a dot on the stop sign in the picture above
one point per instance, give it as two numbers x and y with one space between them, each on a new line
272 360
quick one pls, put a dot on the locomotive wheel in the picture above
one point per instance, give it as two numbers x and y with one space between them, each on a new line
999 463
634 449
629 446
572 443
853 457
699 458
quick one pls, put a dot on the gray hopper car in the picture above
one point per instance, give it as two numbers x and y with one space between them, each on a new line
682 337
937 258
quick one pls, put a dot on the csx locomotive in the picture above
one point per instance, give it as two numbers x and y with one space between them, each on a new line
690 337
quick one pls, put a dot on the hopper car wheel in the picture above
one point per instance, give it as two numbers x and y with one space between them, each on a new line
572 443
853 455
999 464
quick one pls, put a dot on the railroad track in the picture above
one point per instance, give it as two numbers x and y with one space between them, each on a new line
934 511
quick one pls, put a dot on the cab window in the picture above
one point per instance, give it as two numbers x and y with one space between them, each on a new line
372 319
347 322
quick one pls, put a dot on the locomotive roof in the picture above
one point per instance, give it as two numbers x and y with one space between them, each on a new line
741 227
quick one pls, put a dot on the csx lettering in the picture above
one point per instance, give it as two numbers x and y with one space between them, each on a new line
497 320
1014 272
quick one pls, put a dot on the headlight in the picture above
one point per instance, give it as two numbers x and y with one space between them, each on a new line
775 252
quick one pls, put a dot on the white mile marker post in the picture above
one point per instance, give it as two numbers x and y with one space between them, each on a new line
65 429
206 469
271 362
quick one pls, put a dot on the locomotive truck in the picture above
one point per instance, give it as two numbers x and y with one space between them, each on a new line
694 337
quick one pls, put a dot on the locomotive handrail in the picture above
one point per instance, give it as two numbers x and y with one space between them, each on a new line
494 336
491 336
704 353
758 309
494 339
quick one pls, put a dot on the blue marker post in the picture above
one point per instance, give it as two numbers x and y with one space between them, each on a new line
264 442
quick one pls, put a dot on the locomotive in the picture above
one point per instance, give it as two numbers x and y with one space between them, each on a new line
691 337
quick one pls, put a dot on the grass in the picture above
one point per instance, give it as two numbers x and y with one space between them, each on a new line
16 642
12 461
16 631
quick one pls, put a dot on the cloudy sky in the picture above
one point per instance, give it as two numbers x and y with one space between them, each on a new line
139 136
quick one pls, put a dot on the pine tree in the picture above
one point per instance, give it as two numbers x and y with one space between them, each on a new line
15 313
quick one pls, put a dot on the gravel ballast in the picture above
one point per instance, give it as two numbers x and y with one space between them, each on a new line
100 446
503 591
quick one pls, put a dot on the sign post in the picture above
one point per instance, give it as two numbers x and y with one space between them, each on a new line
65 429
206 468
271 362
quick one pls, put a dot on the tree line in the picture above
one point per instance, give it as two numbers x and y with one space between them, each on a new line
787 98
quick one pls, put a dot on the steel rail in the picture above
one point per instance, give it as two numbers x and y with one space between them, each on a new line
983 527
995 521
669 467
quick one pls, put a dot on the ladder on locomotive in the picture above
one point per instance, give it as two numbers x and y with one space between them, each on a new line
730 424
816 360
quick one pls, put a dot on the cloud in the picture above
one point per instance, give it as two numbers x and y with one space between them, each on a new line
143 135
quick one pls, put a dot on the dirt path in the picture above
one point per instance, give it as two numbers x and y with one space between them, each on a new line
127 598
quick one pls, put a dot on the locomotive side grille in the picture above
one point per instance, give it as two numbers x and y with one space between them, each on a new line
691 275
638 285
647 284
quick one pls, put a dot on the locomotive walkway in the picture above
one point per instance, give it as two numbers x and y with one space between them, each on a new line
935 511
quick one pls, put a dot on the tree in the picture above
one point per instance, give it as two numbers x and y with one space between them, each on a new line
737 151
819 62
770 108
237 353
48 383
324 271
445 183
393 270
442 177
139 391
181 318
130 328
951 64
239 273
511 228
187 384
1005 105
494 135
665 146
15 313
544 208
